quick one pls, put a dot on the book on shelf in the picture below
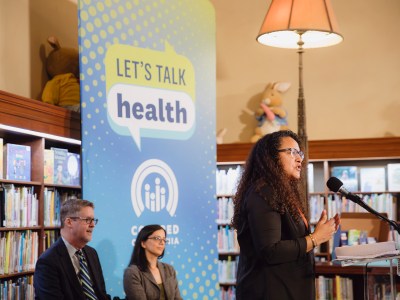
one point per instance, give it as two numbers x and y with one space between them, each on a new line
393 171
17 162
48 167
372 179
73 169
353 236
310 177
348 175
60 165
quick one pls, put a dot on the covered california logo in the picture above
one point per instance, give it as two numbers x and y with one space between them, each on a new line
150 93
154 187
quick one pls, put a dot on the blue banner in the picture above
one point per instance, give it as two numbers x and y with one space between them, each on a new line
148 133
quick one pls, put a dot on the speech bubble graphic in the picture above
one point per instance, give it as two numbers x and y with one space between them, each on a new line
150 93
147 112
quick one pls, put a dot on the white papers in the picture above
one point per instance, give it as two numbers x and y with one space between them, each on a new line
367 250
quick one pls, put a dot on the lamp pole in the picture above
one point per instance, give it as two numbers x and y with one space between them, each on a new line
301 116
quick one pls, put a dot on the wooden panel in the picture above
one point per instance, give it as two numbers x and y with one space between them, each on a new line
374 226
233 152
325 149
355 148
328 268
35 115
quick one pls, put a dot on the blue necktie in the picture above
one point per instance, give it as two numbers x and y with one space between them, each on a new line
84 276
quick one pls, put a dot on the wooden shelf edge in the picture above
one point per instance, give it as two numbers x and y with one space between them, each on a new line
38 116
385 147
17 274
328 268
33 228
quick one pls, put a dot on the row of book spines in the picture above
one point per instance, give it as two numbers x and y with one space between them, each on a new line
52 205
20 288
227 240
383 290
225 209
339 288
51 236
227 270
228 293
226 180
382 203
18 251
18 207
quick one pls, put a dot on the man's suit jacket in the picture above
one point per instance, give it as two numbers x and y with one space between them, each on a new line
55 277
140 285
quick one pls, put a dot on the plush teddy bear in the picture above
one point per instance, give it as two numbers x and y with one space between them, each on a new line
62 66
270 115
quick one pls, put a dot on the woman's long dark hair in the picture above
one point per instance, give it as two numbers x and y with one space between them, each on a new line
138 255
264 168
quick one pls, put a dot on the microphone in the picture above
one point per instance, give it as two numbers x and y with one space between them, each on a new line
336 185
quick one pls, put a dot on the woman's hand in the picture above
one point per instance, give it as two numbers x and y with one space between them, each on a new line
325 229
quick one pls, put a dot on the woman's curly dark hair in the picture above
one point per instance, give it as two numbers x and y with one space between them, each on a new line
264 168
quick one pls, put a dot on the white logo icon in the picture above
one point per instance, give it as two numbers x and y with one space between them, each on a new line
154 187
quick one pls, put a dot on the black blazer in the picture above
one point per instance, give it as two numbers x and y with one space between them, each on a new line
273 263
55 276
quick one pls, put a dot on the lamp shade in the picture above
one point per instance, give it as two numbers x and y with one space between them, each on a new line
313 19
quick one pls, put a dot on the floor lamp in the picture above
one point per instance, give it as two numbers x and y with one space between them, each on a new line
300 24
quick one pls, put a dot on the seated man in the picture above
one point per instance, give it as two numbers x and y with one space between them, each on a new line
70 269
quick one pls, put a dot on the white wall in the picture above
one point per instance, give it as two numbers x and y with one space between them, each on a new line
351 89
23 36
15 47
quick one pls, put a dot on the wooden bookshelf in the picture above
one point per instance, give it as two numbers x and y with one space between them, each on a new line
41 126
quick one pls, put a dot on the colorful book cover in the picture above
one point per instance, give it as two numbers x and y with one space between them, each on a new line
17 162
344 238
60 166
353 237
74 168
48 168
348 175
394 177
372 179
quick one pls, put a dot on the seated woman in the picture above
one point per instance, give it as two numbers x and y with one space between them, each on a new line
146 278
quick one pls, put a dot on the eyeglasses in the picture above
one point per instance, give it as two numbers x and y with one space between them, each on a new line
158 239
294 152
87 220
